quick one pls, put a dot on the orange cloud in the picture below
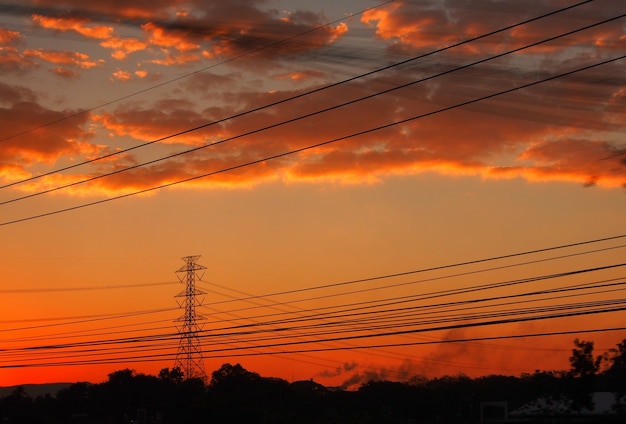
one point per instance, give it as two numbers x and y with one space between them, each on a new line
65 73
520 135
123 46
163 173
409 26
337 32
8 36
176 59
77 59
210 31
77 25
299 22
566 130
217 34
300 75
10 172
160 37
41 145
12 60
124 76
163 119
121 75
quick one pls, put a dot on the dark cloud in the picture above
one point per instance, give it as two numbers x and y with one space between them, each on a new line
346 367
221 28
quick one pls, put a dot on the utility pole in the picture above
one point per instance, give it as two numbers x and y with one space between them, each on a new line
189 356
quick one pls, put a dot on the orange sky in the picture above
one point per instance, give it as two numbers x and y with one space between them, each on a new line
297 145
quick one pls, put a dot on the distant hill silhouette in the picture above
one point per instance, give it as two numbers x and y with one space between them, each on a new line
35 390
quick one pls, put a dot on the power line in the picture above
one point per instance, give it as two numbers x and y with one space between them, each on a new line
441 341
388 301
89 318
388 286
388 319
438 268
84 288
386 354
228 331
162 357
83 318
371 320
92 332
447 327
233 351
461 305
266 338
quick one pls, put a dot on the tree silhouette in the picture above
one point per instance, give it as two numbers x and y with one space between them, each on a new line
242 395
232 377
238 395
616 374
173 376
583 369
75 399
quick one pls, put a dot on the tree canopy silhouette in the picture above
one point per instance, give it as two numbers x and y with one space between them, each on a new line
238 395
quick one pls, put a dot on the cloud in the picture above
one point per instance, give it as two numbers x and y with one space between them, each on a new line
345 367
175 59
159 37
19 105
219 34
164 173
9 37
352 375
11 172
207 84
428 25
209 28
121 75
142 73
14 59
125 76
65 73
157 121
410 25
104 11
79 60
300 75
123 46
402 372
526 135
568 129
78 25
11 59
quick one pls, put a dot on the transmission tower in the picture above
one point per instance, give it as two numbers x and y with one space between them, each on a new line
189 356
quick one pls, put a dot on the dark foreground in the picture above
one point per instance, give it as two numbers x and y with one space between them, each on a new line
237 395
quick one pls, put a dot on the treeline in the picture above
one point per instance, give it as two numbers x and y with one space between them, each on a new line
235 394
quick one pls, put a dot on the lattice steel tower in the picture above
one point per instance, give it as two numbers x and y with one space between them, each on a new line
189 356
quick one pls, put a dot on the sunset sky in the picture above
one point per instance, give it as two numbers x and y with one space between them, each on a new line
376 189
